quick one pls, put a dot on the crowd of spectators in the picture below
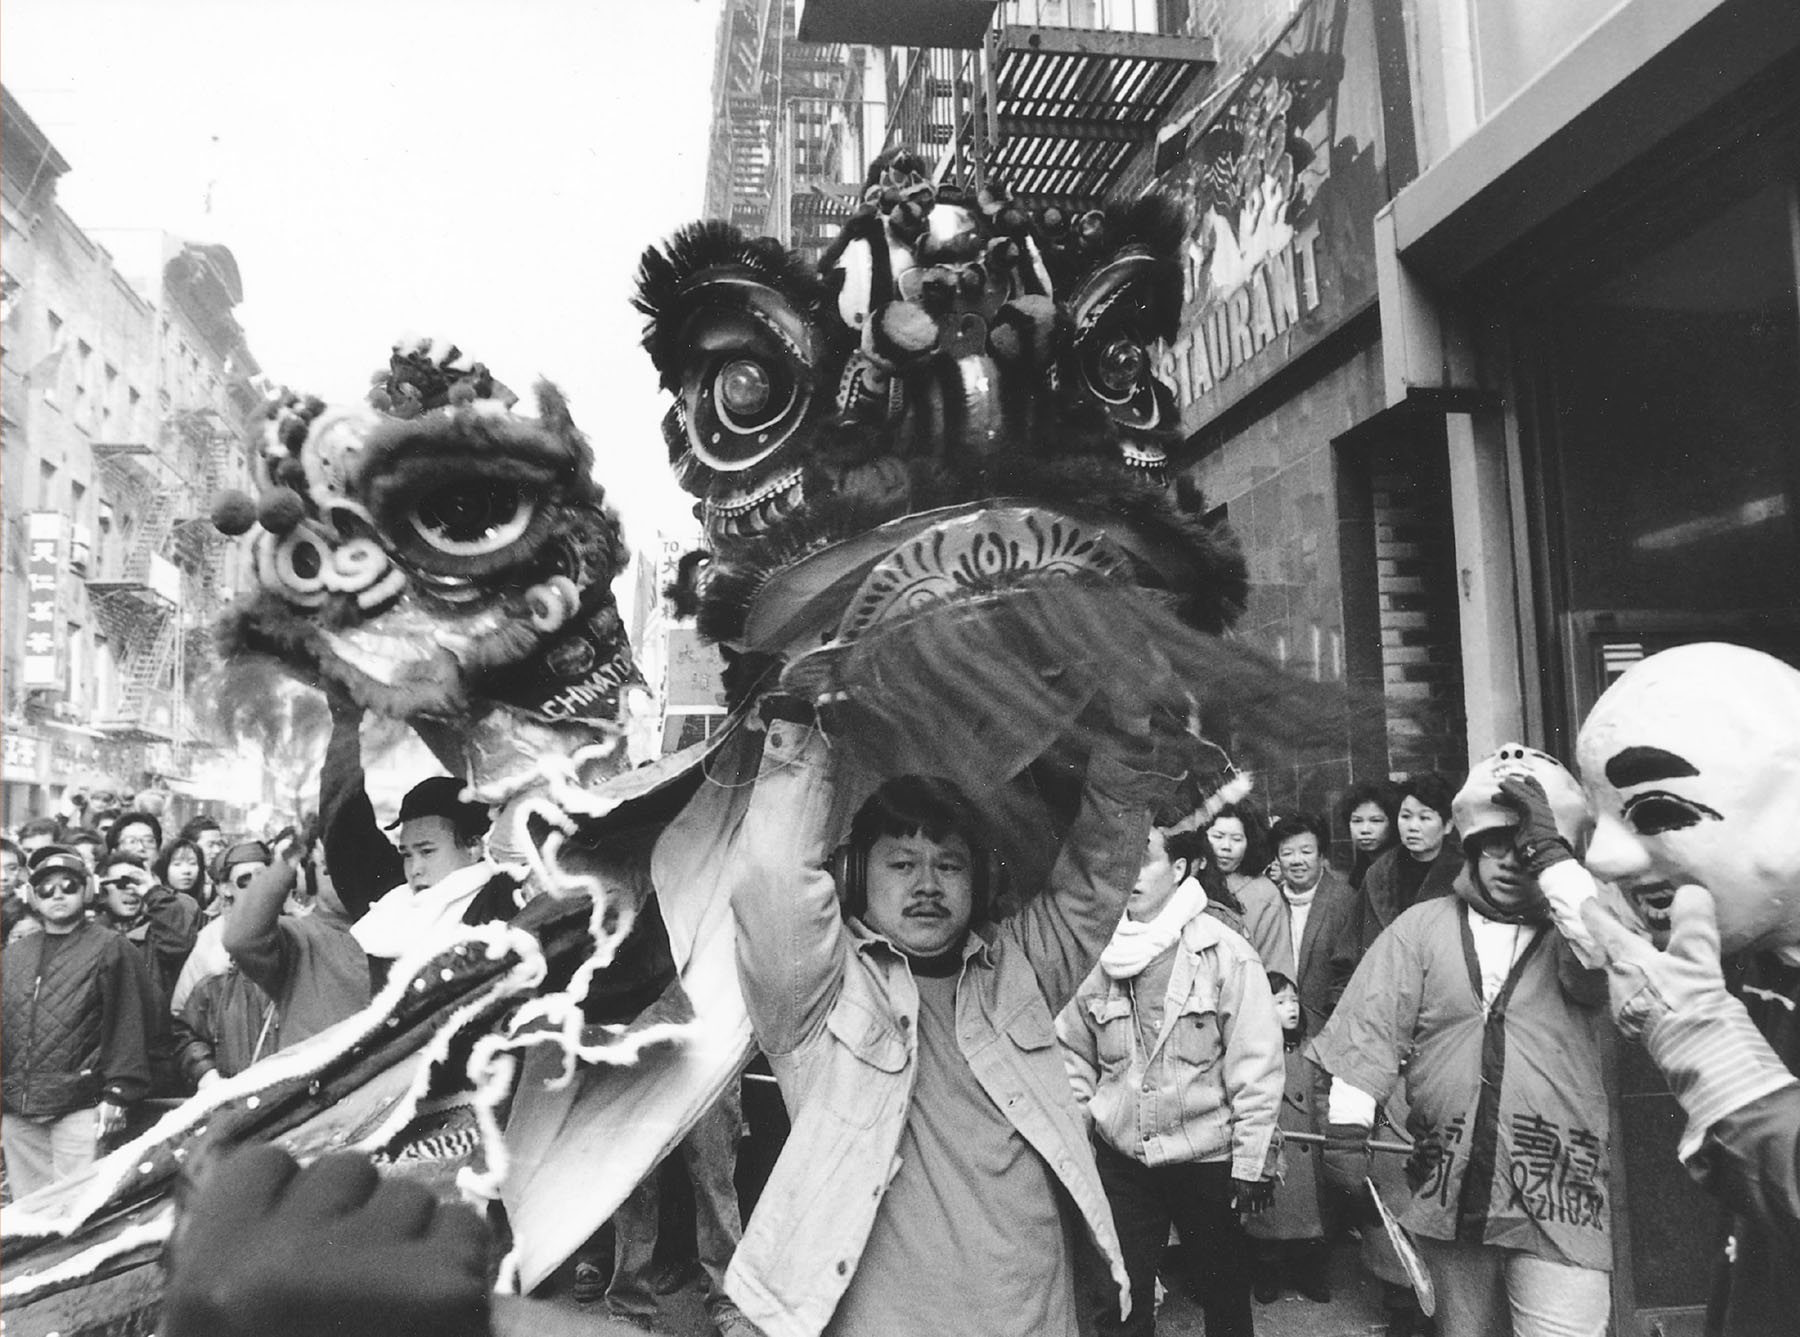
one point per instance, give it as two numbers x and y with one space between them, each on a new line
143 966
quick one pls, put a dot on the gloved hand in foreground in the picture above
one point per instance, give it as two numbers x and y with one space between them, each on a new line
1675 1001
1540 843
1251 1197
267 1249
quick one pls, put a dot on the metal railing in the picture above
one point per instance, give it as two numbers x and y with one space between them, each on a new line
1163 18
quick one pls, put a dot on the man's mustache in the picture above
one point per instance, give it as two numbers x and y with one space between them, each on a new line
926 907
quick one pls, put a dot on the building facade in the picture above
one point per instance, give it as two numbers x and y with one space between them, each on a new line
1490 354
126 384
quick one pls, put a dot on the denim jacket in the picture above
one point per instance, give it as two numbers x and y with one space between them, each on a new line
1209 1087
834 1006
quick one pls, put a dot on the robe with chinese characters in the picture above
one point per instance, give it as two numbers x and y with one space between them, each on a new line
1508 1107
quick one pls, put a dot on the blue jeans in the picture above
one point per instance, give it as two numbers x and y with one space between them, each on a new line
42 1151
710 1153
1485 1291
1196 1198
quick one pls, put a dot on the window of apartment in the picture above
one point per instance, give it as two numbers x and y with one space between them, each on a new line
49 370
77 687
84 399
134 407
109 395
46 486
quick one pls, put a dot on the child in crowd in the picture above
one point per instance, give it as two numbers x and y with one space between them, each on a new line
1289 1246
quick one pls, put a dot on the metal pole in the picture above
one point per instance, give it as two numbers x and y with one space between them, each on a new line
1318 1139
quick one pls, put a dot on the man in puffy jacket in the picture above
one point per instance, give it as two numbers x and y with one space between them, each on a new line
74 1003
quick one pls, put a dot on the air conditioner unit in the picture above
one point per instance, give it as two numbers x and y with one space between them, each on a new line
81 548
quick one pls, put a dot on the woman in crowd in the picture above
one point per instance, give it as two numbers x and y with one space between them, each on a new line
182 867
1236 836
1368 812
1423 865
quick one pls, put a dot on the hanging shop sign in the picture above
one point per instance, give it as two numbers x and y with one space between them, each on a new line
19 756
42 665
1282 185
696 682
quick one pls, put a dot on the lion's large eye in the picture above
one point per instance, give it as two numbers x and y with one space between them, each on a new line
472 518
741 405
1116 370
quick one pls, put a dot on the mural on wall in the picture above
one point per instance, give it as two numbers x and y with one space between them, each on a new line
1282 185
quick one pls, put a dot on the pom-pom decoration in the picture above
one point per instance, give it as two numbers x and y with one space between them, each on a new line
281 510
233 513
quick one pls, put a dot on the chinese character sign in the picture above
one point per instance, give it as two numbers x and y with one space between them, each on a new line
43 636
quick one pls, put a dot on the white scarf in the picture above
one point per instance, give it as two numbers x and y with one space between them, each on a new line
398 922
1136 945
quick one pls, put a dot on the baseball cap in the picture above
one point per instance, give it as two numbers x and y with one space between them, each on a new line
245 851
440 796
48 859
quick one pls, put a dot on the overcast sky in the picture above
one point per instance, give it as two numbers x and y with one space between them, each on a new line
488 170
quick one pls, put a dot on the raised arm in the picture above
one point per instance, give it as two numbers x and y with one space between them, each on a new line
363 862
792 944
1064 928
252 928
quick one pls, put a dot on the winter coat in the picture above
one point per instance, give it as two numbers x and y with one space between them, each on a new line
1378 904
74 1013
164 933
1266 926
313 969
1509 1116
1208 1088
1298 1210
226 1023
1327 952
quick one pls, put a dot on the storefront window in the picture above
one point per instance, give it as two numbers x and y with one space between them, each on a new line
1677 390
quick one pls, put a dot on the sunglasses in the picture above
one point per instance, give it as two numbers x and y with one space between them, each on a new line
56 889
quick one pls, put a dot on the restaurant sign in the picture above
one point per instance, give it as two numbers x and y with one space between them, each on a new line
1281 187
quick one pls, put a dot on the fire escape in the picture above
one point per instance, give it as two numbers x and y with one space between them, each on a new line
168 584
1051 97
741 183
137 606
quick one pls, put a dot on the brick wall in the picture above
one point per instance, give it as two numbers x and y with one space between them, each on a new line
1343 511
1415 557
1277 477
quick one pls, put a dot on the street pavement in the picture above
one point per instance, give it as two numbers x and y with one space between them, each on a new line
1355 1309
